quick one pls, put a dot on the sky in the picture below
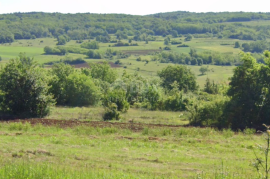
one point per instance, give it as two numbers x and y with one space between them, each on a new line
134 7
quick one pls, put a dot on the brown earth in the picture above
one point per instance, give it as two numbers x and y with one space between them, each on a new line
86 65
98 124
113 65
139 52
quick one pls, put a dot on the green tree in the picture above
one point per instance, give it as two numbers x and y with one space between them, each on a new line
204 69
71 87
0 58
166 41
188 37
102 71
61 40
174 33
90 45
115 102
211 88
24 87
249 91
58 83
81 90
179 73
237 45
194 61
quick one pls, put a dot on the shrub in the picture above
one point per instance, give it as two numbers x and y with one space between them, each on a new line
183 45
208 113
179 73
139 59
90 45
93 54
25 88
111 112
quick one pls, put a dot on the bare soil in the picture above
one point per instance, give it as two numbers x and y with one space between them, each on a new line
98 124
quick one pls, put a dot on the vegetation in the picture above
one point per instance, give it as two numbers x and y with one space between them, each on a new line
132 70
24 89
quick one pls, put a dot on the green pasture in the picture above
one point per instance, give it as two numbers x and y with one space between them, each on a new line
160 152
34 48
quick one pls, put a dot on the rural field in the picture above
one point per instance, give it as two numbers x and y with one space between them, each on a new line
95 149
168 95
34 48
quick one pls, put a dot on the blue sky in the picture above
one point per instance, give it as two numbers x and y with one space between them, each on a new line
136 7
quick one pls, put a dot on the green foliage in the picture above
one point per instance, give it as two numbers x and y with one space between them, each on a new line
211 88
236 44
115 102
71 87
208 110
93 54
62 40
90 45
55 51
166 41
188 37
204 69
181 74
60 74
102 71
256 47
261 164
81 90
24 87
0 58
118 97
6 38
249 86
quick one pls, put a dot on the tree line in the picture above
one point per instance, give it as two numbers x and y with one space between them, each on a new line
29 90
99 26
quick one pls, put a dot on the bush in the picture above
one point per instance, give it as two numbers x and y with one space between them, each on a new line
175 42
94 55
139 59
25 88
111 112
208 113
81 90
115 102
179 73
73 88
167 48
183 45
90 45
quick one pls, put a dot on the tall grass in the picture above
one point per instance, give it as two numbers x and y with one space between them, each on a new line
26 170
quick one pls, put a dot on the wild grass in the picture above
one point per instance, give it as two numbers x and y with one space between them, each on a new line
154 152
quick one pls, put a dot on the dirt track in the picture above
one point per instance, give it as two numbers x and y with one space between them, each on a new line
99 124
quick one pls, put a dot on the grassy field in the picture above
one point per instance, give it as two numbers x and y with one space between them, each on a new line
34 48
87 151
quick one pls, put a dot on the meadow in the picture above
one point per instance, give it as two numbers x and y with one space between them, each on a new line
143 144
34 48
124 151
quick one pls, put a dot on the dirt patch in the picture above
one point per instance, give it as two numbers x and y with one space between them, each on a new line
97 124
81 65
139 52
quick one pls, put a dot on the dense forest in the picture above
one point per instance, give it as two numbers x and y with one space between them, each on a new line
86 26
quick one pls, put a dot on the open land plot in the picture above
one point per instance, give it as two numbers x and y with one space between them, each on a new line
123 150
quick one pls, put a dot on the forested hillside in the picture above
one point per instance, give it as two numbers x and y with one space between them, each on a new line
86 26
